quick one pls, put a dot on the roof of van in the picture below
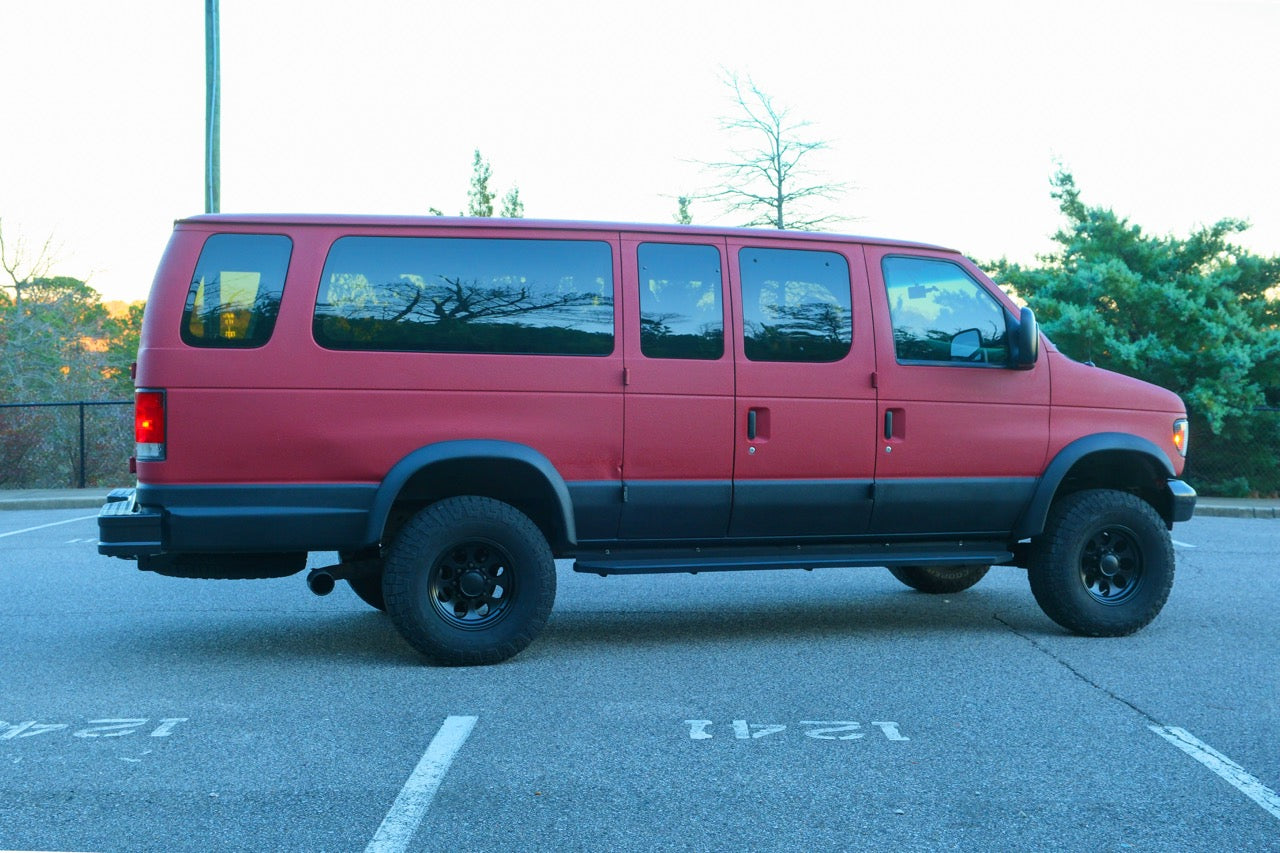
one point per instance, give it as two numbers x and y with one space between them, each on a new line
376 221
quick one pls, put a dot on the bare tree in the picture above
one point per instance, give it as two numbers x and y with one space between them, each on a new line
22 269
768 177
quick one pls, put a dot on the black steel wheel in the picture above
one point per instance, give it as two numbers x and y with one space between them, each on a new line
939 579
1104 565
469 581
1111 566
472 585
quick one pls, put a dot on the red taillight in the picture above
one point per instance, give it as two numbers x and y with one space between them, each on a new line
148 425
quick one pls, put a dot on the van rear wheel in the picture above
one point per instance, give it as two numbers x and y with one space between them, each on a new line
939 579
469 581
1104 565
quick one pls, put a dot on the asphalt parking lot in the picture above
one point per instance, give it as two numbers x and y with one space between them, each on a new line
824 710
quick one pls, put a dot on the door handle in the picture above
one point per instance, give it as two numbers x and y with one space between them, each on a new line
751 425
895 424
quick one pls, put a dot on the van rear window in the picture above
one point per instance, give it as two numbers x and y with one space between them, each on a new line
445 294
235 292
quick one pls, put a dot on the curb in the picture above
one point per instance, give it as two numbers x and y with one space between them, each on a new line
85 502
1237 512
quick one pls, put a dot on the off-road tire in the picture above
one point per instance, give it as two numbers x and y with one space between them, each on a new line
1104 565
469 581
939 579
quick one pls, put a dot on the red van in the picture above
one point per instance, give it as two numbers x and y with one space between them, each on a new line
450 404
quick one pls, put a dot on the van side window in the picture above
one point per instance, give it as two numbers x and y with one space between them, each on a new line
445 294
941 315
795 305
681 312
235 291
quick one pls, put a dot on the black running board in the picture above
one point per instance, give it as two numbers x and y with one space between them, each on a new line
713 559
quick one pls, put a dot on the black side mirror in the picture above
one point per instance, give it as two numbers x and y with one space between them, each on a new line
1026 339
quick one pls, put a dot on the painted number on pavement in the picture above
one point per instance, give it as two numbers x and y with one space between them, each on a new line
109 727
817 729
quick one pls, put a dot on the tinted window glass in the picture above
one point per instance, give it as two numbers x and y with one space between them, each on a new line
795 305
437 294
680 301
235 292
940 314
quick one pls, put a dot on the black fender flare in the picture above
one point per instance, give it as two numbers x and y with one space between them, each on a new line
476 450
1037 512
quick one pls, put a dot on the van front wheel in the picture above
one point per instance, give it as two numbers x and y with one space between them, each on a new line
1104 565
469 581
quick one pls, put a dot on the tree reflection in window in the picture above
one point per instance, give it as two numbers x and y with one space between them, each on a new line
795 305
681 314
931 301
436 294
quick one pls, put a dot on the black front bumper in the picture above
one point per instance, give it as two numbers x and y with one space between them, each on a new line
1182 501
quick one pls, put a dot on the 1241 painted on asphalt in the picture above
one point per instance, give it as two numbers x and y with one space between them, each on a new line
112 727
817 729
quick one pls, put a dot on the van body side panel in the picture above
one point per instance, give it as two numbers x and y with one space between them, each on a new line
808 470
348 416
292 411
678 443
946 431
1088 399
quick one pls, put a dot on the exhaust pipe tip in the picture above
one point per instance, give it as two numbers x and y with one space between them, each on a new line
320 582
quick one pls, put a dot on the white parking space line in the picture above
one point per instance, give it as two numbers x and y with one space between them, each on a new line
1223 766
1183 544
398 827
50 524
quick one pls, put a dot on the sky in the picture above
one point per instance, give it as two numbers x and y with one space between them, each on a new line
946 119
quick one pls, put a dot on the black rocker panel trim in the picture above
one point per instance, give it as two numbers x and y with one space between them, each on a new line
597 506
820 509
974 506
675 509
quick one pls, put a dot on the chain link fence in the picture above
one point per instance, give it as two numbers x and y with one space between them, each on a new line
88 443
1243 462
66 445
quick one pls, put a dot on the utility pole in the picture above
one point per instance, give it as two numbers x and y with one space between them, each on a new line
212 110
